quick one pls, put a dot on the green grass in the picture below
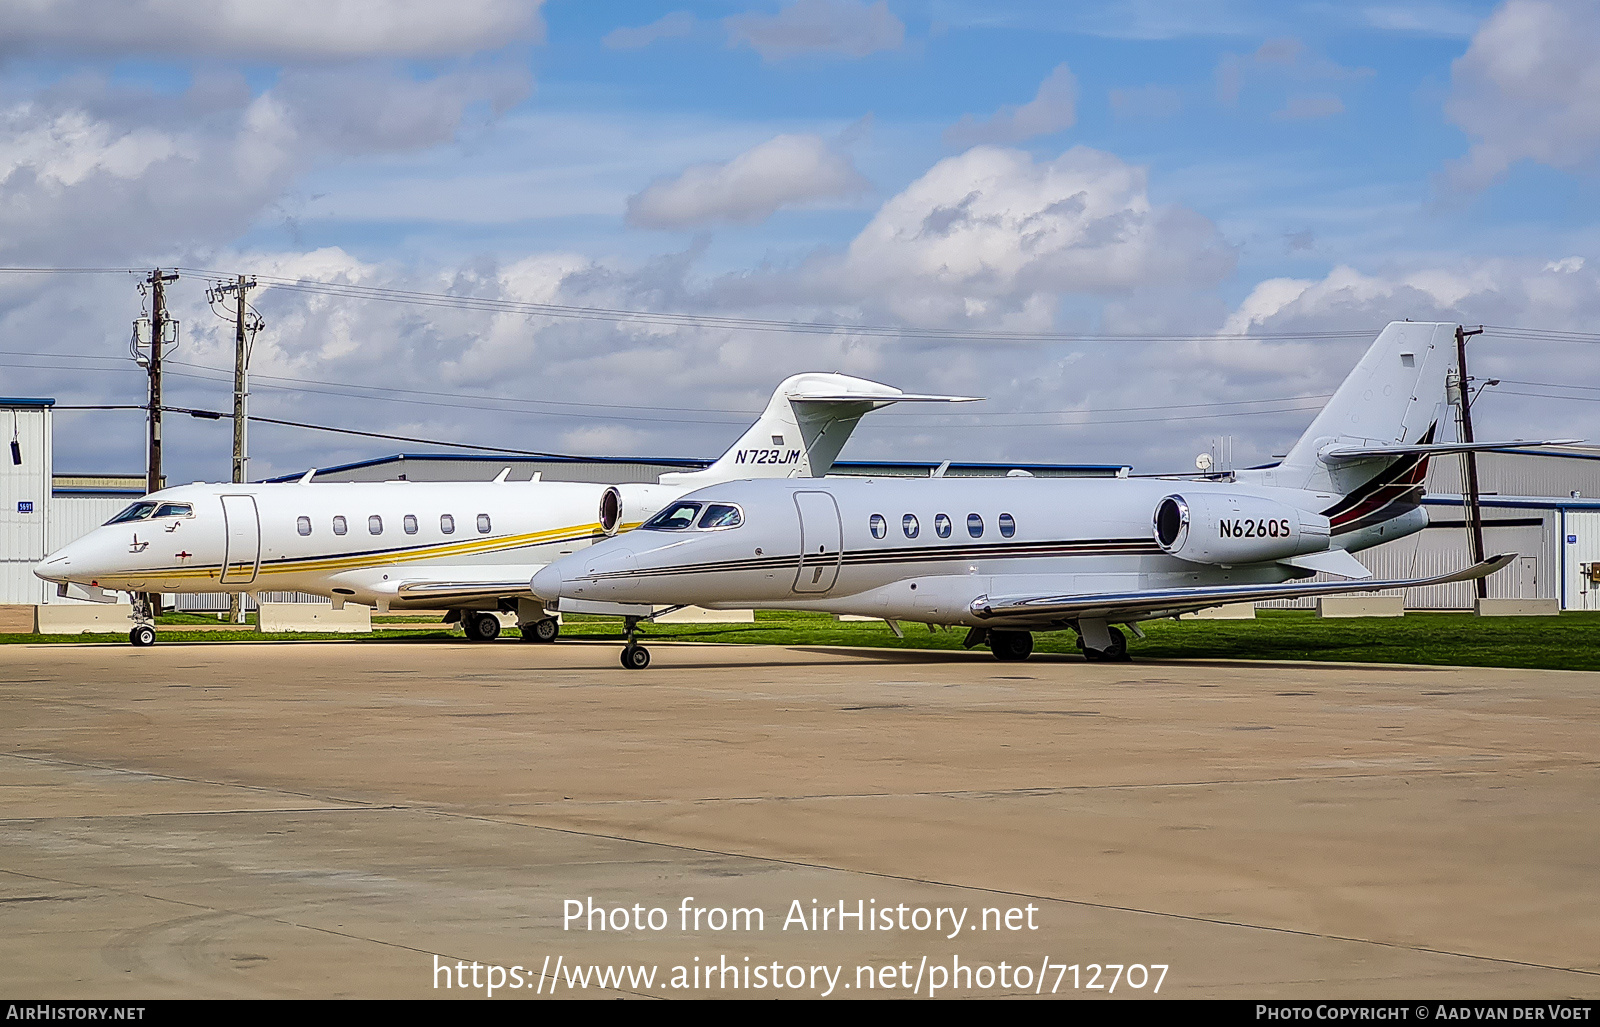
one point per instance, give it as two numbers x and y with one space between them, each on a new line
1568 642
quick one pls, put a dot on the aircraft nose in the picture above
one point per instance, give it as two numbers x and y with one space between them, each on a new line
54 567
546 582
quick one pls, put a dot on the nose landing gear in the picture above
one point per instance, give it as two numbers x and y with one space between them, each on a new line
144 629
634 655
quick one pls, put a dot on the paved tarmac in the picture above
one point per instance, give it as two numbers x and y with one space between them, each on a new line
343 819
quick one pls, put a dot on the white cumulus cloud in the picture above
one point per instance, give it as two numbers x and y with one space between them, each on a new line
786 171
847 28
992 233
1528 88
1053 108
269 29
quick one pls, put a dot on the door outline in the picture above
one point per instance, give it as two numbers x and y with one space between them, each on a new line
241 532
819 527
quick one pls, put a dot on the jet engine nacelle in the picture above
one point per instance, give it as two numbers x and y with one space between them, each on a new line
1211 528
628 506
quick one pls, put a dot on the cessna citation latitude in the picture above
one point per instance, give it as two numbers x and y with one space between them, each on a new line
465 547
1009 556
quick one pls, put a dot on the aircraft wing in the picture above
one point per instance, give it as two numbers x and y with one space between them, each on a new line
899 397
443 593
1166 602
1436 448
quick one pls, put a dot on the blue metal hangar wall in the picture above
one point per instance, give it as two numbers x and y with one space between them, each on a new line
1543 505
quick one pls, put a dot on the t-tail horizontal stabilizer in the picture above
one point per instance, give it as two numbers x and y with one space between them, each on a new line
1166 602
1435 448
806 423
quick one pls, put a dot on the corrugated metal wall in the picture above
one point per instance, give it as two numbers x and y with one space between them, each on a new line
24 501
1443 547
1582 560
1519 474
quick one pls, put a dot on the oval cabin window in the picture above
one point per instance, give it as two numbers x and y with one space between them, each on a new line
941 525
447 524
880 527
974 525
483 523
302 525
375 524
908 524
1008 525
410 524
339 526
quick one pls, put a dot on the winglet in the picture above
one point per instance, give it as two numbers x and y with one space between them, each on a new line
305 479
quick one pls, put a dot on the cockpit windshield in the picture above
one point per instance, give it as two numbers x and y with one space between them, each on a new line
719 515
136 512
674 517
174 510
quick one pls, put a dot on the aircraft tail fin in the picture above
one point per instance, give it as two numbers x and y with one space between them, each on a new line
805 425
1393 398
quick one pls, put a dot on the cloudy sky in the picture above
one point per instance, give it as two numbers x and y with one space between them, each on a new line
1195 184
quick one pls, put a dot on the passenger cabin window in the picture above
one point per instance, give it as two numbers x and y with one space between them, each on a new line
974 525
908 524
302 525
880 527
375 524
941 525
721 515
339 526
136 512
174 510
483 524
674 517
447 524
1008 525
409 522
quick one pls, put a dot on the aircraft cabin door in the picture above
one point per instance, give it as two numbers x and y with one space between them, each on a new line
242 556
820 542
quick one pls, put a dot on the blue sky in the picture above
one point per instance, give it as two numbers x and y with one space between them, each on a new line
1122 167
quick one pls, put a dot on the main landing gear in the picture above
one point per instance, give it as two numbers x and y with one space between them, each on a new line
634 655
1116 652
544 630
480 626
1007 646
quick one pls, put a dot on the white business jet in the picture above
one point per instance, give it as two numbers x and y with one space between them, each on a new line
1006 557
468 548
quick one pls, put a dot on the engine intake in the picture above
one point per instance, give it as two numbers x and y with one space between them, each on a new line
627 506
1222 529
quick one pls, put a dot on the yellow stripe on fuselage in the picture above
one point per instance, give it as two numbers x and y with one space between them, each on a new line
433 551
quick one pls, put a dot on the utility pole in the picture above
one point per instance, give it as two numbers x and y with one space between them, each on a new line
158 325
1472 507
245 325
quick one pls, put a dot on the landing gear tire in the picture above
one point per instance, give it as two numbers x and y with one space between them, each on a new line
635 657
481 627
542 631
1117 652
143 635
1011 646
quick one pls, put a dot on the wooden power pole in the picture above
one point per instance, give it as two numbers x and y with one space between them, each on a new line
1472 506
245 325
158 326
